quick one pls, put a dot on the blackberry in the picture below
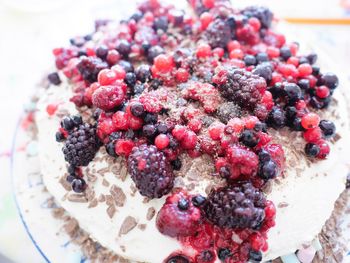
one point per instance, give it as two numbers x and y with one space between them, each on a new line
81 145
262 13
218 33
264 70
89 67
276 118
312 149
328 128
54 78
236 207
249 138
68 123
255 256
151 171
227 111
243 88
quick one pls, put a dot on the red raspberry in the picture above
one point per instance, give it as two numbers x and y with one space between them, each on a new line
178 217
234 44
124 147
313 135
216 130
105 127
236 124
208 146
135 123
242 160
151 103
182 75
90 91
109 97
250 122
120 120
106 77
310 120
195 125
162 141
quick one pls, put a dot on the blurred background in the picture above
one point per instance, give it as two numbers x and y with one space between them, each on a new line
30 29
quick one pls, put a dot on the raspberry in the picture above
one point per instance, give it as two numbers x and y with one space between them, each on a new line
109 97
124 147
264 15
182 75
236 207
216 130
240 86
218 33
81 145
151 171
89 67
151 103
120 120
178 217
242 161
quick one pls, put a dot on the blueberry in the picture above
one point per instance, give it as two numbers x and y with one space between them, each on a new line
304 84
178 16
60 137
264 70
138 88
161 23
143 73
312 149
312 58
178 259
293 92
291 112
249 60
224 253
285 53
151 118
54 78
149 130
126 65
130 79
276 118
315 70
153 52
137 16
260 126
183 204
255 256
70 178
176 164
262 57
146 46
155 84
296 125
78 185
137 109
330 80
102 51
318 103
249 138
115 136
110 149
303 60
162 128
277 90
198 200
268 170
123 47
264 156
328 128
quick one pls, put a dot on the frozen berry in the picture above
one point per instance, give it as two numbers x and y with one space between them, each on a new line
109 97
328 128
151 171
177 259
330 80
313 135
310 120
176 164
262 13
54 78
89 67
249 138
137 109
102 52
312 149
227 111
276 118
255 256
123 47
198 200
218 33
293 92
79 185
161 141
264 70
249 60
143 72
130 79
268 170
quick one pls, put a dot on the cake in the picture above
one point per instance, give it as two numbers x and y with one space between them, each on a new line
193 137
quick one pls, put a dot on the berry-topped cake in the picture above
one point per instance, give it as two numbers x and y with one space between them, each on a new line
194 137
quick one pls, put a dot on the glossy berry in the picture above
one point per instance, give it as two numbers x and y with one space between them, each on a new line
79 185
276 118
249 138
178 217
161 141
177 259
255 256
268 170
102 52
163 63
304 70
293 92
54 78
143 73
198 200
151 171
123 47
224 253
312 150
328 128
137 109
324 149
130 79
285 53
313 135
310 120
322 92
330 80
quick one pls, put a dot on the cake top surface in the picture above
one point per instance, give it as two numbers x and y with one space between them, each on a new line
194 113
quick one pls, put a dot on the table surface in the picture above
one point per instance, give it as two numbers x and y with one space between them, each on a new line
28 35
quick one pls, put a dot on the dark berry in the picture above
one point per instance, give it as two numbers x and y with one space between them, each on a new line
70 178
218 33
249 138
264 70
328 128
115 136
264 156
312 149
268 170
123 47
151 118
312 58
138 88
155 84
304 84
154 52
178 217
151 171
178 259
79 185
224 253
102 52
296 125
277 90
161 23
315 70
293 92
276 118
303 60
60 137
291 113
67 123
348 182
330 80
241 87
89 67
285 52
130 79
162 128
227 111
137 109
249 60
198 200
126 65
318 103
255 256
236 207
176 164
205 256
262 57
149 130
262 13
145 46
137 16
260 126
81 145
143 73
54 78
110 149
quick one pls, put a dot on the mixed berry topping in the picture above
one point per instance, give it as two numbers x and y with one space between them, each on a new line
163 86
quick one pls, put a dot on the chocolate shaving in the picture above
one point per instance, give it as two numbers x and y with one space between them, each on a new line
111 211
128 225
77 198
105 182
118 195
150 213
142 226
64 183
93 203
